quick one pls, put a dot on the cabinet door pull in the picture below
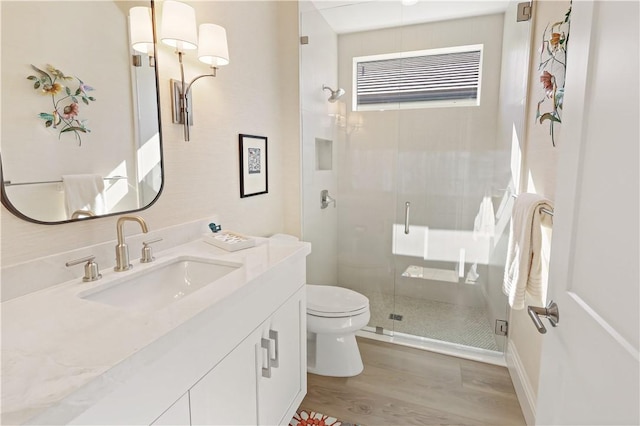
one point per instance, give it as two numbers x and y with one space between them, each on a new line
275 362
266 344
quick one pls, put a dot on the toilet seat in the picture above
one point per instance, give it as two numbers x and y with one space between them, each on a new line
335 302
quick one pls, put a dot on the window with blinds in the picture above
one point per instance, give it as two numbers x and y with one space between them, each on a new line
419 79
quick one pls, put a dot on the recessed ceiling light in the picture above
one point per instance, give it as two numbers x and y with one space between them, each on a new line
409 2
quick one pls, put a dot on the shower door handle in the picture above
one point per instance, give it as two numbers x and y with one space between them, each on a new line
406 217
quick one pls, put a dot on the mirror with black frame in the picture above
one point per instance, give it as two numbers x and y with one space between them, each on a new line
80 134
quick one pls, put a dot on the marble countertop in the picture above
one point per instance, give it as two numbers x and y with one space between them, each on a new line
55 343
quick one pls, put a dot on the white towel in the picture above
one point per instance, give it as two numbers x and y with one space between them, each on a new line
84 192
523 271
484 224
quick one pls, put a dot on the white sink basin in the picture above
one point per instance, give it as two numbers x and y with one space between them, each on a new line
162 284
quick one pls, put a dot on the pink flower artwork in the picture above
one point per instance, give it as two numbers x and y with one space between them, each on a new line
553 54
65 118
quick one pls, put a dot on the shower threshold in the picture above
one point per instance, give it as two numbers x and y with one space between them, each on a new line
446 348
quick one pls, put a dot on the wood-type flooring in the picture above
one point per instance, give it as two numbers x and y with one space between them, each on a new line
407 386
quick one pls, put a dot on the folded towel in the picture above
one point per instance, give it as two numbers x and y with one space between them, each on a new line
84 192
484 224
523 271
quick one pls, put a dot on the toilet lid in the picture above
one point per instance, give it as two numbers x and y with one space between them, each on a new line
326 300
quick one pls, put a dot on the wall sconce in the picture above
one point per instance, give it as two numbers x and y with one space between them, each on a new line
178 29
141 29
141 33
338 111
354 122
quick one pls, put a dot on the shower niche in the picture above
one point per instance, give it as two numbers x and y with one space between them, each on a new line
324 154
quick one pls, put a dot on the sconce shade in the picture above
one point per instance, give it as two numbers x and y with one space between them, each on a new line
178 27
140 29
213 49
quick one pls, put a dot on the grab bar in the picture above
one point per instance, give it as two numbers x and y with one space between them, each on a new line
406 217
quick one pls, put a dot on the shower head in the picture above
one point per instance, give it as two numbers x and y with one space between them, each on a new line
335 94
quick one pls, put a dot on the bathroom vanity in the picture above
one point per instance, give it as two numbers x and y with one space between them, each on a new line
232 352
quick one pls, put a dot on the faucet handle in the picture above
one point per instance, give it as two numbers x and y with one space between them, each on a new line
91 271
147 256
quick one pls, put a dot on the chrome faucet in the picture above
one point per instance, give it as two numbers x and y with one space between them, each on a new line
122 251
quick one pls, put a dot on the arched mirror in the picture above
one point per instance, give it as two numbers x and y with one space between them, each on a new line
80 134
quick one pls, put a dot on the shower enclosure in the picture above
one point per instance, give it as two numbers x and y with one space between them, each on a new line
422 190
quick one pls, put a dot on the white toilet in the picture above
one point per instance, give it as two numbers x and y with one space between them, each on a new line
334 314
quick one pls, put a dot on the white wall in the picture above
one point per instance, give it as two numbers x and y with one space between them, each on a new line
257 93
319 66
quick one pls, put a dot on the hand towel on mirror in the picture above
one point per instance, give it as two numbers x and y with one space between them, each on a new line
84 192
523 269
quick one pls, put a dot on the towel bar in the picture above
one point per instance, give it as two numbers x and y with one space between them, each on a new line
543 210
9 183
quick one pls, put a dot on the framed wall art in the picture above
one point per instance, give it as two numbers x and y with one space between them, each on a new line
254 175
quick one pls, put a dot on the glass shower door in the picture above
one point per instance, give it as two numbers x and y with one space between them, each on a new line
451 166
442 236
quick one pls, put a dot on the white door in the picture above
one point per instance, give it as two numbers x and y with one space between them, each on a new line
177 415
282 387
226 395
590 362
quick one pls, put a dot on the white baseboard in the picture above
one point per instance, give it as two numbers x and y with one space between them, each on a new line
526 396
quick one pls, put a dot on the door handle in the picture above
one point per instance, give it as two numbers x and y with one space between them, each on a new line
550 312
406 217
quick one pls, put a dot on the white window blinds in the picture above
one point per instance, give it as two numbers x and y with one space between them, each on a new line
441 75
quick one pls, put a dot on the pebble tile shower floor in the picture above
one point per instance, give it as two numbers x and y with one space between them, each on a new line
466 325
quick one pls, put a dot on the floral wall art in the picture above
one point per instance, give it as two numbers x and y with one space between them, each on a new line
65 102
552 67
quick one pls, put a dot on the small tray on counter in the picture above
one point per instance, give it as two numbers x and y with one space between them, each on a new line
230 241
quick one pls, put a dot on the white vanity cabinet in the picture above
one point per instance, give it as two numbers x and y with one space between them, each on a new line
241 361
262 381
176 415
227 394
282 379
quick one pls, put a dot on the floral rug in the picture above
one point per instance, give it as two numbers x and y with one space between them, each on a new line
311 418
